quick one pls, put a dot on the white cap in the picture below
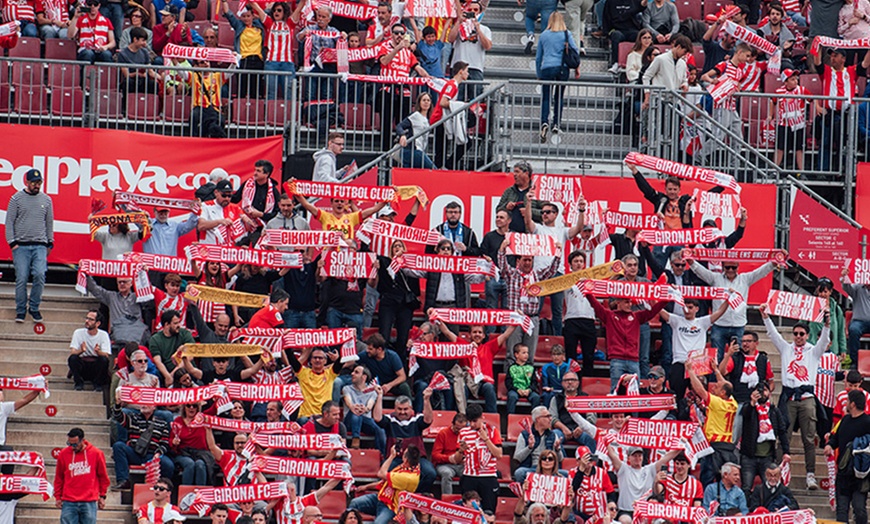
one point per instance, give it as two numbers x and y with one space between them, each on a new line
386 210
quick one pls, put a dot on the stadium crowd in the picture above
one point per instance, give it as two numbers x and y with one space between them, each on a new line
387 394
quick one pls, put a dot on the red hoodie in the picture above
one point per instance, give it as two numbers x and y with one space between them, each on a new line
81 476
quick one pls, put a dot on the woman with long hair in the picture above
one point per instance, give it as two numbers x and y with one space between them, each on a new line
634 63
280 42
414 153
214 274
191 450
549 65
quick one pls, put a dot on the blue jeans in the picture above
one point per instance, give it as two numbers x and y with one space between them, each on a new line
496 296
415 158
337 319
357 424
552 73
857 328
78 512
193 472
29 28
832 139
667 348
124 456
720 336
538 7
487 392
643 351
90 56
514 397
279 83
52 31
115 13
29 261
556 301
300 319
370 505
619 367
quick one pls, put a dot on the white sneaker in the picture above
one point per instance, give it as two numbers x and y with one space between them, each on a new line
614 68
811 482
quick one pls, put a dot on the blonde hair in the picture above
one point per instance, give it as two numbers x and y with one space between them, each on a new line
557 23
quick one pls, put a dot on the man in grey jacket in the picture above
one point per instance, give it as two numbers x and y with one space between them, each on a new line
860 323
126 315
30 234
324 160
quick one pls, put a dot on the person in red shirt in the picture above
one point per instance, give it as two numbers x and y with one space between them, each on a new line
591 486
270 316
465 386
160 510
190 447
394 101
445 453
448 93
681 488
80 479
233 464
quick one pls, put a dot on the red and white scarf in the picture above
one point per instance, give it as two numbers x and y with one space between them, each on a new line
482 317
767 47
715 204
309 47
826 41
349 265
441 351
152 470
442 264
205 497
343 191
169 396
777 256
393 231
132 201
343 8
160 263
437 508
12 484
647 291
250 189
684 171
831 463
655 434
301 338
523 244
300 239
679 237
242 255
439 382
647 511
295 467
202 420
115 269
357 54
31 459
29 383
620 404
299 441
212 54
801 516
630 220
765 428
9 28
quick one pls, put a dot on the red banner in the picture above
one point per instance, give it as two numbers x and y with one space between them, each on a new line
548 489
798 306
563 190
726 205
522 244
479 193
819 240
79 165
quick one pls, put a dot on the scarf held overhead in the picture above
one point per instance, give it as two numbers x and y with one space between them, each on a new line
777 256
241 255
482 317
561 283
442 264
161 263
394 231
343 191
140 219
684 171
620 404
132 201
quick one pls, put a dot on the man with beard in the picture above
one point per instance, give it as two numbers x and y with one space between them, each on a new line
573 425
166 342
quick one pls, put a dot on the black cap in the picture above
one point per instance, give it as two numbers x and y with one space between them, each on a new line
33 175
224 186
836 50
709 223
170 10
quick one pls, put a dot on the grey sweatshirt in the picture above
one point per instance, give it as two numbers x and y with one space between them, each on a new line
30 220
860 301
655 17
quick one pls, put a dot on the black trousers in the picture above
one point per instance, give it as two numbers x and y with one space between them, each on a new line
95 369
390 313
487 488
857 500
581 330
207 122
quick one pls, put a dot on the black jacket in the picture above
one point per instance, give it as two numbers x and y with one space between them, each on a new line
750 430
394 290
659 199
689 278
772 499
741 390
433 280
622 15
622 246
468 238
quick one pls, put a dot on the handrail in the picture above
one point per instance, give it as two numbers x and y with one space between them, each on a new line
386 154
739 139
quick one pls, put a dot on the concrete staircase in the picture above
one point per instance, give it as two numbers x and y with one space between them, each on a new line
22 352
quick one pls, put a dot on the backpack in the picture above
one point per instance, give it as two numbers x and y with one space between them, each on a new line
571 56
694 29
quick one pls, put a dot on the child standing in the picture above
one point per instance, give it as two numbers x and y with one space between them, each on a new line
791 123
520 380
429 53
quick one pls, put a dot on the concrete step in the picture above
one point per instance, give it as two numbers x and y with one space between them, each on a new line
52 327
512 57
59 313
33 511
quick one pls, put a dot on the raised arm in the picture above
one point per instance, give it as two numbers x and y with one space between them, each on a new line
697 386
714 316
216 451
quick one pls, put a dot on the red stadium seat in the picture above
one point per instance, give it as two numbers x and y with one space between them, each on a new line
67 101
109 105
771 83
27 74
713 6
200 25
4 72
513 426
601 344
201 12
107 78
813 84
453 498
142 495
689 9
143 107
5 93
569 463
624 50
504 469
249 112
358 117
595 385
277 113
700 58
65 76
31 100
27 47
365 463
177 108
440 420
226 37
493 419
504 510
333 504
864 362
60 49
545 345
501 388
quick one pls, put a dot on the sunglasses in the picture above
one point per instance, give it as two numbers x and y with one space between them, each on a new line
799 333
398 33
547 212
141 361
159 488
729 267
548 459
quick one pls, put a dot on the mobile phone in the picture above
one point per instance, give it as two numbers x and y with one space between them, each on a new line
468 14
664 468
